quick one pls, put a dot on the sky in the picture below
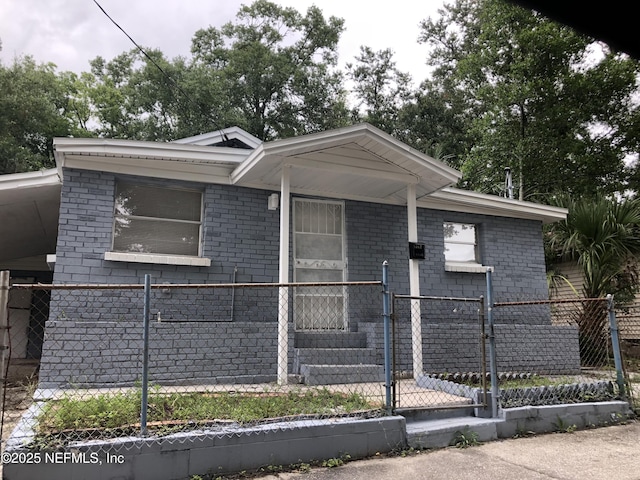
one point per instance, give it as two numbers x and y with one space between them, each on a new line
70 33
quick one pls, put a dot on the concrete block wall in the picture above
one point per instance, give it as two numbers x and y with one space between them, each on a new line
77 354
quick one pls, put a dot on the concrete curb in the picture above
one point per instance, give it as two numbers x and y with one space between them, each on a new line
516 421
232 449
228 450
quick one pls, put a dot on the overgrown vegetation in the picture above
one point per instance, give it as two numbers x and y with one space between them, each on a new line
110 415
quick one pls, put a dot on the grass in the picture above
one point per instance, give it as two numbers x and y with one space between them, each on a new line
122 410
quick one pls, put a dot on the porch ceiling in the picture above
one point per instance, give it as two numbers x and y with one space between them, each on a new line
358 162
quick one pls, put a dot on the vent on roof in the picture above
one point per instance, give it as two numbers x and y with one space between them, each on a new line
232 143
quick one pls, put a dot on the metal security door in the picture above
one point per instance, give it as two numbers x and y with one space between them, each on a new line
319 256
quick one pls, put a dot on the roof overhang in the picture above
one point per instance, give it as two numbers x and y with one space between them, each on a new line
29 208
456 200
151 159
359 162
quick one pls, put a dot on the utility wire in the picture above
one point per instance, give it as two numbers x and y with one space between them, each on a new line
166 75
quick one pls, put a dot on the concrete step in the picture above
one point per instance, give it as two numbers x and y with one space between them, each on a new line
334 374
332 356
447 431
330 340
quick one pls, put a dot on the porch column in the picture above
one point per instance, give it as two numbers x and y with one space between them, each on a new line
414 283
283 292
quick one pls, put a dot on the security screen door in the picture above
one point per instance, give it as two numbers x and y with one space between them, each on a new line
319 256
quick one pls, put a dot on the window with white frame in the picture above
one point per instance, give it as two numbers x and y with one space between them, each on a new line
460 243
157 220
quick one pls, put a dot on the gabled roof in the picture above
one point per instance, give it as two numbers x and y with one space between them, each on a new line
358 162
232 136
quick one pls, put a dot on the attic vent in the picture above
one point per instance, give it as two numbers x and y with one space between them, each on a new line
232 143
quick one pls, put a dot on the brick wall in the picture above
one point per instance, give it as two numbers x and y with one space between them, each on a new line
78 354
449 348
239 232
513 246
240 236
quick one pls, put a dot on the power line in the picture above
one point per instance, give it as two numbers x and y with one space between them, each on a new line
167 76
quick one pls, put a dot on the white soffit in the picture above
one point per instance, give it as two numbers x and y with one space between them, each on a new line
456 200
152 159
358 162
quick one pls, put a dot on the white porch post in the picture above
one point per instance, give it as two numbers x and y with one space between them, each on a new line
414 283
283 304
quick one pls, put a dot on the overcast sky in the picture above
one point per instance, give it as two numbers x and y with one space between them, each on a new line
69 33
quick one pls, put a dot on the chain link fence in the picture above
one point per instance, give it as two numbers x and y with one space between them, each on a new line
628 319
545 352
439 355
217 359
212 359
555 351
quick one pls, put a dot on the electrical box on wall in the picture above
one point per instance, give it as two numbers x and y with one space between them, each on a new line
416 251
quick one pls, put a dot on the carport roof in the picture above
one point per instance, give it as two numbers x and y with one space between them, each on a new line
29 206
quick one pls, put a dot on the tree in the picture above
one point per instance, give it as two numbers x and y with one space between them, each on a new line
34 108
379 87
603 236
535 98
272 72
277 68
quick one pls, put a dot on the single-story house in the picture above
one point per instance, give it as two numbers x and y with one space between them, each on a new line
224 206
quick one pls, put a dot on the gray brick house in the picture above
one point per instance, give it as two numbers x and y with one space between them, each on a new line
329 206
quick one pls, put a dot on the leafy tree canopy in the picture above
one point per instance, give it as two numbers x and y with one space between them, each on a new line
534 97
35 106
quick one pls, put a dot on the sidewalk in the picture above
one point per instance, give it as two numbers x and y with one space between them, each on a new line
596 454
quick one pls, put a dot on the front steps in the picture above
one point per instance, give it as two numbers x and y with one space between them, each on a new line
325 358
445 432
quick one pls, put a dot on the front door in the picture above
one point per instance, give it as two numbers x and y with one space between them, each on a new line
318 241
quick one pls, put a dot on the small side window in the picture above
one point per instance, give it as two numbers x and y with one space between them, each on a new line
460 243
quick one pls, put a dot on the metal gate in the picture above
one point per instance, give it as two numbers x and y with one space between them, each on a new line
438 352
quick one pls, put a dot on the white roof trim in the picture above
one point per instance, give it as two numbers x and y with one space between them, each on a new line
163 160
457 200
40 178
210 138
311 142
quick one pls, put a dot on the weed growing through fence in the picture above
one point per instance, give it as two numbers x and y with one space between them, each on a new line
121 411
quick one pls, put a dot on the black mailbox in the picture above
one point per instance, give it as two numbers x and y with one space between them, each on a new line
416 251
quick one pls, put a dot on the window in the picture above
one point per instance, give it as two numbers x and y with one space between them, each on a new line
156 220
460 243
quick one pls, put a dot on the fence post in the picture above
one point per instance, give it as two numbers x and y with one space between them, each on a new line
493 369
145 356
4 322
386 314
615 344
